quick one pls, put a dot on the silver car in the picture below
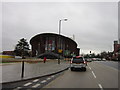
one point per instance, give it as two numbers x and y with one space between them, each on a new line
78 62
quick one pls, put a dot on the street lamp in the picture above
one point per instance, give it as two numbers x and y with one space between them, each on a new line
59 36
60 24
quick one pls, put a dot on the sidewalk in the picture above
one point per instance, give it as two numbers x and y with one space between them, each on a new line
12 72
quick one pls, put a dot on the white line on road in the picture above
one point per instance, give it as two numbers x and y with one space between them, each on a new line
27 84
52 76
17 88
90 68
35 86
94 74
100 86
43 81
48 78
35 80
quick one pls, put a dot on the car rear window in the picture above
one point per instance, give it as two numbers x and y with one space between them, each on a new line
78 60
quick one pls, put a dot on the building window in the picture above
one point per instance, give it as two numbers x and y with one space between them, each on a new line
50 44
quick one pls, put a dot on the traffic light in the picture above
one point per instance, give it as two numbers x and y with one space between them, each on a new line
90 51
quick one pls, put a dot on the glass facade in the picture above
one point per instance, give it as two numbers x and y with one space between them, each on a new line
55 43
50 44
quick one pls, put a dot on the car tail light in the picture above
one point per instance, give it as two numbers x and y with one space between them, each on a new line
85 62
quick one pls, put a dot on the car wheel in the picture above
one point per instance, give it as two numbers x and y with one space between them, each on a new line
84 69
71 69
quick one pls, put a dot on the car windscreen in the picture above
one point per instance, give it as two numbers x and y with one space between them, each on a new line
78 60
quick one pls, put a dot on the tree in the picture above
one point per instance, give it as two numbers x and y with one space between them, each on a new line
98 56
22 48
104 54
87 55
93 55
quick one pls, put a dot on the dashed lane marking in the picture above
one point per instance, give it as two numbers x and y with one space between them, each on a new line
94 74
36 85
35 80
52 76
17 88
90 68
27 84
100 86
48 78
43 81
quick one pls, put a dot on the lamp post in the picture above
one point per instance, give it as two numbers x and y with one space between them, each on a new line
59 36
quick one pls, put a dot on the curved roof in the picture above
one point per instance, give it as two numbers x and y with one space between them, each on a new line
37 36
50 55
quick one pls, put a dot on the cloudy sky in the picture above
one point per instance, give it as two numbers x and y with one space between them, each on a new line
94 24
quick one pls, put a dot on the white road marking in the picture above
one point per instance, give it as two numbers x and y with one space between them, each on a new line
52 76
35 80
27 84
90 68
94 74
35 86
48 78
43 81
17 88
100 86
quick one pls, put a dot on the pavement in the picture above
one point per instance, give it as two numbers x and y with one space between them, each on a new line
12 72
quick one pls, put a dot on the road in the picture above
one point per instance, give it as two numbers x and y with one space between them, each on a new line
113 64
98 75
31 84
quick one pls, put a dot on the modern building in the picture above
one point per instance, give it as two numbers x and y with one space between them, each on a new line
47 43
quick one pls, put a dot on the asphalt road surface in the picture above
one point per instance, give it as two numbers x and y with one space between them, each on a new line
98 75
113 64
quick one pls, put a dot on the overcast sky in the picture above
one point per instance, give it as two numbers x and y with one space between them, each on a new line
94 24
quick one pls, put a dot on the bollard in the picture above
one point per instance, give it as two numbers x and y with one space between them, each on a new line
22 74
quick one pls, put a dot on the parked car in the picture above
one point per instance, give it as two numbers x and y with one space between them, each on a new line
98 59
103 59
89 60
94 59
78 62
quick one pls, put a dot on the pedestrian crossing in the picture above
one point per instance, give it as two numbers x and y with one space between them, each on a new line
36 83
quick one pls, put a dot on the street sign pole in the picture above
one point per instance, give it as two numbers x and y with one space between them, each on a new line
59 37
59 40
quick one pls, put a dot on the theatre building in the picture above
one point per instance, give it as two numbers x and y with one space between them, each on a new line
53 43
